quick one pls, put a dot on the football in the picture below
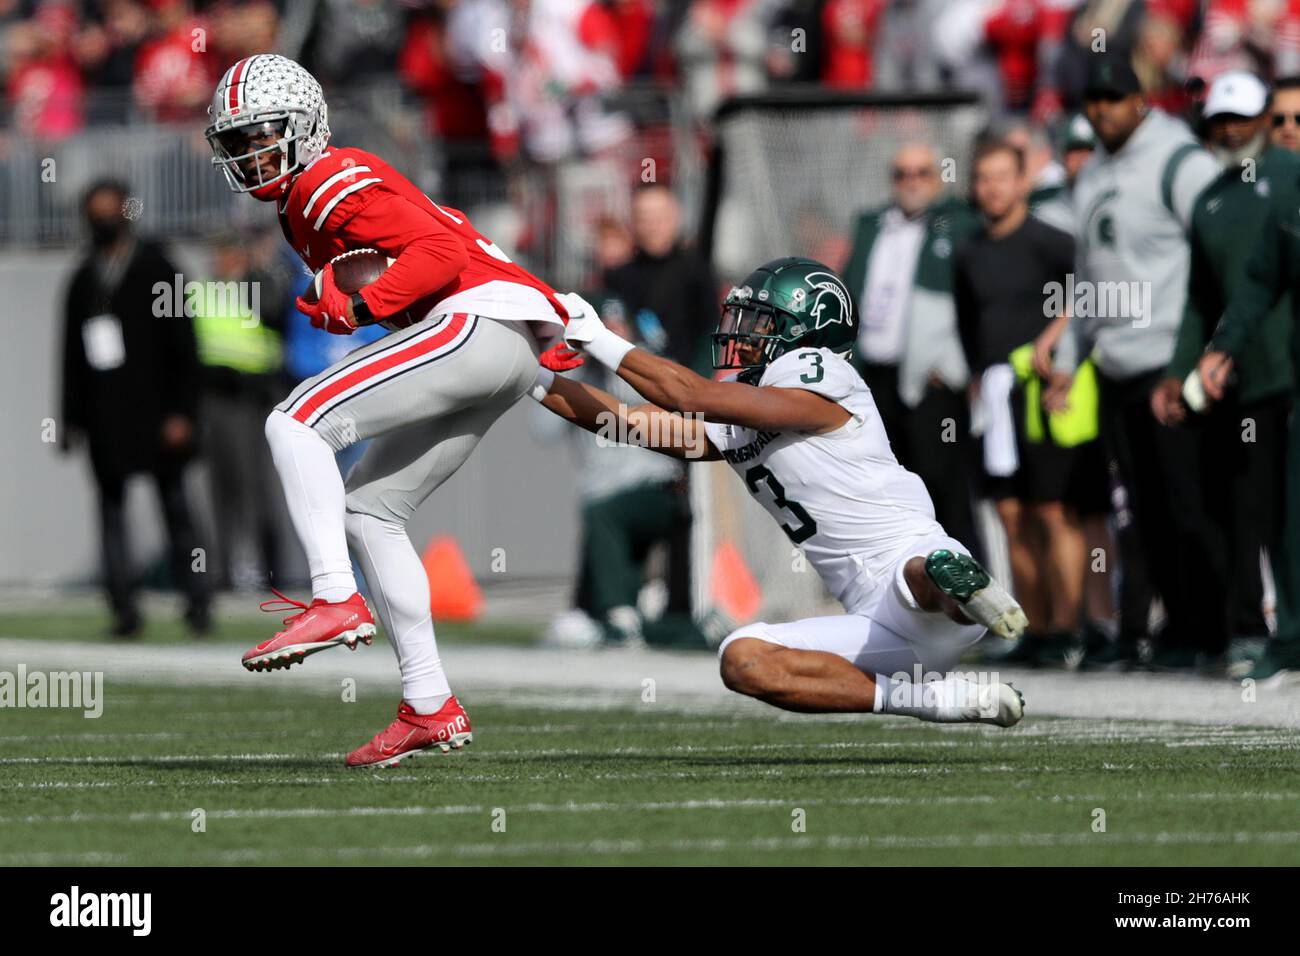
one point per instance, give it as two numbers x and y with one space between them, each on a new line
353 271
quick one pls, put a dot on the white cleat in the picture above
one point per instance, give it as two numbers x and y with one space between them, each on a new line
985 601
999 704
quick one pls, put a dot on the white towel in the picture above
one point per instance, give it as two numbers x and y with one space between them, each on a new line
1000 457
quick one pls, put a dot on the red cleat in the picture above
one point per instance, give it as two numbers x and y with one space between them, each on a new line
412 733
316 627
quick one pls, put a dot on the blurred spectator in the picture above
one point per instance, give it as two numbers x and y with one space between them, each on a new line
668 290
174 75
455 101
1013 30
900 272
544 68
632 24
849 33
44 82
905 57
633 502
356 40
1243 479
1045 176
1080 142
116 39
959 45
1284 114
1041 475
130 391
1268 275
1285 34
722 50
614 245
795 51
1133 203
1108 27
237 324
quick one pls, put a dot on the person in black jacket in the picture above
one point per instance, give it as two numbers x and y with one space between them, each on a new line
130 392
668 290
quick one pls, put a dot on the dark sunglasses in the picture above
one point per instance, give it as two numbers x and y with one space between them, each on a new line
1280 119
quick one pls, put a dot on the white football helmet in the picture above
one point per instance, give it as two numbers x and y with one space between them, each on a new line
266 106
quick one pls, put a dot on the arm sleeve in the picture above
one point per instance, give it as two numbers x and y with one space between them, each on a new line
1260 287
428 254
1202 300
1197 171
1074 345
73 401
967 315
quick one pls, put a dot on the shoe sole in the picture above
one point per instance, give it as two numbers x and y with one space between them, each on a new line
964 580
1017 712
457 742
290 654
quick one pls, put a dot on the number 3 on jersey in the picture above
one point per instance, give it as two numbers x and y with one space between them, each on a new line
806 528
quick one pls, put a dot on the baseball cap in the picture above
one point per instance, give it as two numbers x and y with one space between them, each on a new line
1109 74
1236 93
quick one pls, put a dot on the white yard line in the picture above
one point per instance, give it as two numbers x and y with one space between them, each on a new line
503 847
305 813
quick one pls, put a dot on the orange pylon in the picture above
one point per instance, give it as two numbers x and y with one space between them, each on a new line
454 595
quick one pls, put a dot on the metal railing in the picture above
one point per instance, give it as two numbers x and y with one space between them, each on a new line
544 213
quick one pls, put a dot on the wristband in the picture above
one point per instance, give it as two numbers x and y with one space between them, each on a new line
608 349
542 387
361 309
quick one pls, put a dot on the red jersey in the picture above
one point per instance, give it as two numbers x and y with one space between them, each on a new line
350 199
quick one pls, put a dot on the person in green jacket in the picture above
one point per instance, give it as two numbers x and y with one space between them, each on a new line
1243 436
1255 334
900 273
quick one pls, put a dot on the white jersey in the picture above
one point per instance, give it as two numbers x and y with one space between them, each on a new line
841 496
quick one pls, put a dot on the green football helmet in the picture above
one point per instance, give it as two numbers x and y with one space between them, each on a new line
782 305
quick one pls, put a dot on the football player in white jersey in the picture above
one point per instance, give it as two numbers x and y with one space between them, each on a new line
800 428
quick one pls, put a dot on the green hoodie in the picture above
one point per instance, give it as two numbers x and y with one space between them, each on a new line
1226 222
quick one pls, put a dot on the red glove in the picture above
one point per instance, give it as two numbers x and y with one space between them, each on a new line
330 312
560 358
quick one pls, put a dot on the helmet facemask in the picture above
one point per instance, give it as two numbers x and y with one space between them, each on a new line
240 151
746 340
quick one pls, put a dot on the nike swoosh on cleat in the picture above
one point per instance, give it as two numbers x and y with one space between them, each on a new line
386 751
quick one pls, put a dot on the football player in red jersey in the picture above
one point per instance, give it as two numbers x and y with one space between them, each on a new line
425 394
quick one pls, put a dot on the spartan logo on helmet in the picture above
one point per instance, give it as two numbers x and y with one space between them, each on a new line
783 304
824 284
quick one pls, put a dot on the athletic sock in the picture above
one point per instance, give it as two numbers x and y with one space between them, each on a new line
428 705
949 701
399 593
313 491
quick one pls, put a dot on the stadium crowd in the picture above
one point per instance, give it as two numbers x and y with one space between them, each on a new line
1135 513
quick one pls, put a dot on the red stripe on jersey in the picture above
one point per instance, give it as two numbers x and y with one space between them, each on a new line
236 77
392 360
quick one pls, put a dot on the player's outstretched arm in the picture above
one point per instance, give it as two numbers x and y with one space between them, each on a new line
678 389
647 426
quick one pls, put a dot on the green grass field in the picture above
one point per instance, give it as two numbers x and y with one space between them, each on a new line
247 627
647 786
